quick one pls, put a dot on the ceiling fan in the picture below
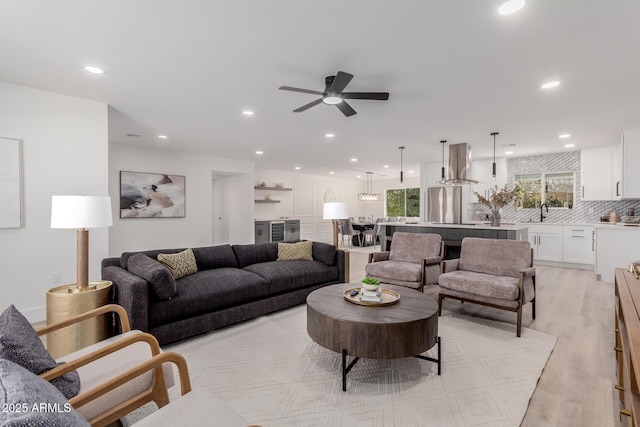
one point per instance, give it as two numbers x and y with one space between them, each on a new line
333 94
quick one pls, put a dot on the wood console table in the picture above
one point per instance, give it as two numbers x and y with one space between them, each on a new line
627 331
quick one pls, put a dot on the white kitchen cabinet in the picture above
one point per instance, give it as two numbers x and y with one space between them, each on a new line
630 170
596 173
578 244
482 171
616 247
546 241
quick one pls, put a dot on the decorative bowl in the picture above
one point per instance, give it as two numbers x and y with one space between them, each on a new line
631 219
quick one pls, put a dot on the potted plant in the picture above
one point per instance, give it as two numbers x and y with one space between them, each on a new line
370 284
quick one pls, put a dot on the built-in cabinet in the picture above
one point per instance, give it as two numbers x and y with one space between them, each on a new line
596 177
277 231
579 244
262 232
546 242
612 172
630 171
482 171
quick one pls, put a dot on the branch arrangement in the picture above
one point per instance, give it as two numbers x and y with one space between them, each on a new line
497 199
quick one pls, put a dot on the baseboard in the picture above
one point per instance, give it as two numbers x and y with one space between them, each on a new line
36 314
588 267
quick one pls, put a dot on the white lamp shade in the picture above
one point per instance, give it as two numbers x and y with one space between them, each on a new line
80 211
335 210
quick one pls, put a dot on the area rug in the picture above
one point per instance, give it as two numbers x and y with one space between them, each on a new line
270 371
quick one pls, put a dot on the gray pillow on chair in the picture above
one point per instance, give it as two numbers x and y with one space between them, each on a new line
20 344
28 400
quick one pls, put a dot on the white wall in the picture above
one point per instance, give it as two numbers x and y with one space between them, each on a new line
65 151
196 229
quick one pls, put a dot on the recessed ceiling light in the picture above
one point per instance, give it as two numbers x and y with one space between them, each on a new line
354 159
297 168
331 173
93 69
385 166
259 152
551 84
564 135
410 171
248 113
512 6
508 152
358 176
569 145
163 136
329 135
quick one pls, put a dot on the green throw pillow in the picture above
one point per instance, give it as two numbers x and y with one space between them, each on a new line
295 251
180 264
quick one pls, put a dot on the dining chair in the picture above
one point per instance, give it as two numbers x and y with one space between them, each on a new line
373 232
347 230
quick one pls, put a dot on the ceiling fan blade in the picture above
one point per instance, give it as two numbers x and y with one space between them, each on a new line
340 81
307 106
346 109
377 96
297 89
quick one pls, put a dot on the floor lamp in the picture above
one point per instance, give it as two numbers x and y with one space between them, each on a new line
335 211
81 213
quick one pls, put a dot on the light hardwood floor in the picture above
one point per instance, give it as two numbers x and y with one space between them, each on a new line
576 387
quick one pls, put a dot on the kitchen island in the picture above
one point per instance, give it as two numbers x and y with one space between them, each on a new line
452 234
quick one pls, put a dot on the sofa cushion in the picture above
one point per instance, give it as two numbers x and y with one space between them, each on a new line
399 270
488 285
413 247
284 276
295 251
157 274
207 291
153 254
180 264
495 256
20 390
324 252
20 344
210 257
255 253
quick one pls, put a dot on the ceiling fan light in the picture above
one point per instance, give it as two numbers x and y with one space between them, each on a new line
332 100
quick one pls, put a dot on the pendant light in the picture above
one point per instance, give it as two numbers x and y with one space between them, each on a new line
401 173
369 196
444 141
494 153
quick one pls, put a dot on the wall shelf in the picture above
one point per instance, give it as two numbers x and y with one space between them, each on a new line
267 201
259 187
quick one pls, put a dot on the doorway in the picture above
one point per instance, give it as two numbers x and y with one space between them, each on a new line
232 209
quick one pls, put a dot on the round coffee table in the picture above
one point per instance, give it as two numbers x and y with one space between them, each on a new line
404 329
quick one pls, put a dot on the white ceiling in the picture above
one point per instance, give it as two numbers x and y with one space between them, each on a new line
455 69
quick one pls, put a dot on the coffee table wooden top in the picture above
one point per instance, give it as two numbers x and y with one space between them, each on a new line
404 329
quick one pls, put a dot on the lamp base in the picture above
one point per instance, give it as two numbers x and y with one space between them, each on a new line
67 301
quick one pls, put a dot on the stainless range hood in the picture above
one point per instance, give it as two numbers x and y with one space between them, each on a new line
459 165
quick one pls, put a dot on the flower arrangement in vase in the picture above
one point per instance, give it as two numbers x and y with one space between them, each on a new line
497 200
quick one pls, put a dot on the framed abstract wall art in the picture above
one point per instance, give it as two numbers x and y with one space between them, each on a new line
151 195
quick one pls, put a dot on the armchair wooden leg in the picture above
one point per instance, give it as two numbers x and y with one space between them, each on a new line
440 298
519 325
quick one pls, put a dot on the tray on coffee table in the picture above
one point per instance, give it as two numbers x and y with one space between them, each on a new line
388 297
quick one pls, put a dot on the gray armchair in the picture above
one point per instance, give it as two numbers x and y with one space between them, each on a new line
412 261
493 272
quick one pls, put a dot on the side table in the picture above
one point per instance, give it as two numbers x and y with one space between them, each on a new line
66 301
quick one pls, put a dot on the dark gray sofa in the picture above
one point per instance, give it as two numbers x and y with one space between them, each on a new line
232 284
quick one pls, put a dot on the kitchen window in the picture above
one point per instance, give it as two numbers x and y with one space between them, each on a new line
403 202
554 189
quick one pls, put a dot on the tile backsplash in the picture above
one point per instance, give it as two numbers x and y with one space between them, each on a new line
582 211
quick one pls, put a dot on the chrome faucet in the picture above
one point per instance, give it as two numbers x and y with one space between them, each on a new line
542 217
